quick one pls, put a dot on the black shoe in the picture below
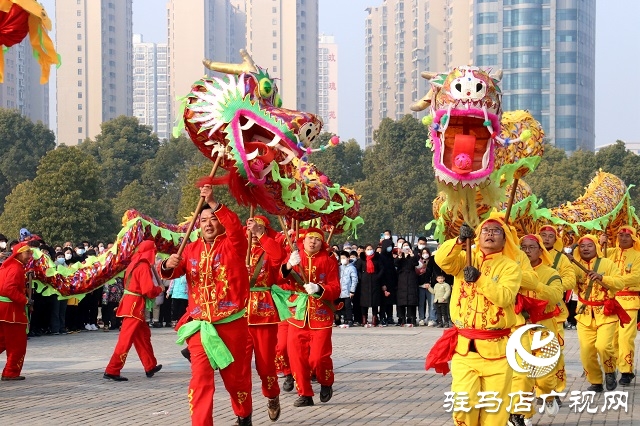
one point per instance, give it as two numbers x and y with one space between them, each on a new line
115 378
303 401
244 421
626 378
595 388
10 379
287 385
326 392
157 325
273 408
185 353
350 323
153 371
383 322
516 420
610 381
559 401
314 379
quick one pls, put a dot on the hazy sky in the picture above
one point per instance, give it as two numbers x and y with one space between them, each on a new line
617 60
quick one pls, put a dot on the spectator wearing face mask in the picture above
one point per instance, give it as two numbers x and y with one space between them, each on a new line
406 263
80 252
57 321
354 258
389 280
111 295
371 293
3 243
348 285
89 304
73 319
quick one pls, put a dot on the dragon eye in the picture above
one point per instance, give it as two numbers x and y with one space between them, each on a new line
266 88
277 101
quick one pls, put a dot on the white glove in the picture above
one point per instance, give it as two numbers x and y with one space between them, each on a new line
294 258
311 288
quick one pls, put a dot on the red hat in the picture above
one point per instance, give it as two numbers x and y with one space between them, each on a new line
313 232
17 249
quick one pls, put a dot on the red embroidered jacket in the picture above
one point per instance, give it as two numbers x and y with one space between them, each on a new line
141 282
13 285
261 308
217 280
320 269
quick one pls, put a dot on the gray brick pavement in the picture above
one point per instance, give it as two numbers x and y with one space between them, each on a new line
380 380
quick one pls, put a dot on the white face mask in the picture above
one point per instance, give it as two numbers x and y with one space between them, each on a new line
80 252
3 245
369 252
405 248
67 256
344 261
421 246
386 237
353 259
425 256
60 260
101 249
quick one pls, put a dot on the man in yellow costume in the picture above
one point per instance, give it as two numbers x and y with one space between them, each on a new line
598 312
553 245
549 289
482 311
626 256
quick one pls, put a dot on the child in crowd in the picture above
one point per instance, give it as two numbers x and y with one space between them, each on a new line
441 292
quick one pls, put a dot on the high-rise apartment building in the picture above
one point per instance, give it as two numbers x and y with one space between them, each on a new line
282 36
95 83
402 39
151 104
546 49
21 89
328 83
205 29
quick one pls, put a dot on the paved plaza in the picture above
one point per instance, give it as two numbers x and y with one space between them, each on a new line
380 380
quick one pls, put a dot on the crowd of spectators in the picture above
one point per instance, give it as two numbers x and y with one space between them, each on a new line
391 277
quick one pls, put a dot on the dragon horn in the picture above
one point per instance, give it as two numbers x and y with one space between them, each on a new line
497 75
247 65
428 74
423 103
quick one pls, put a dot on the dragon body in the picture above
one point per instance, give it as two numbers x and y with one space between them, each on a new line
479 152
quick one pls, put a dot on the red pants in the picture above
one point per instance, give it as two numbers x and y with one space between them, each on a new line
262 342
235 379
134 332
282 356
310 352
13 339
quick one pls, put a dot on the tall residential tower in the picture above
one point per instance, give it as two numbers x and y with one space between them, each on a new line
328 83
95 83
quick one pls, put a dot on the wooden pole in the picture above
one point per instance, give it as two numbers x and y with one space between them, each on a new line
249 237
512 196
468 250
333 228
197 212
285 229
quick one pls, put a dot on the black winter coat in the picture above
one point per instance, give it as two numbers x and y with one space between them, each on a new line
407 280
370 284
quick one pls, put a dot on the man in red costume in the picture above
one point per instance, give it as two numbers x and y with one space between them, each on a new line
215 325
264 309
13 310
139 292
312 275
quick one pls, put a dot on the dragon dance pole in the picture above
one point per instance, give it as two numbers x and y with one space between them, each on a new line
512 196
587 292
333 228
196 213
249 237
283 224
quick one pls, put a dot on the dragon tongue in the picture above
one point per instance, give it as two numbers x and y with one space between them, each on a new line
463 148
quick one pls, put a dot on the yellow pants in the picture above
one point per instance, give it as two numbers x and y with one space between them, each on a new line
520 382
549 382
473 374
625 342
597 341
561 374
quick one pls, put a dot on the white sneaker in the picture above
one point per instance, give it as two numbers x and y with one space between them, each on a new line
94 327
408 325
343 326
367 325
551 407
431 323
87 327
421 322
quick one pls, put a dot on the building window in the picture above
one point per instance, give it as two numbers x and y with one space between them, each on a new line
79 13
79 95
275 57
79 129
79 107
274 9
490 38
79 71
79 59
567 14
79 83
275 33
79 48
78 24
79 36
274 21
488 18
487 60
275 45
567 35
80 118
